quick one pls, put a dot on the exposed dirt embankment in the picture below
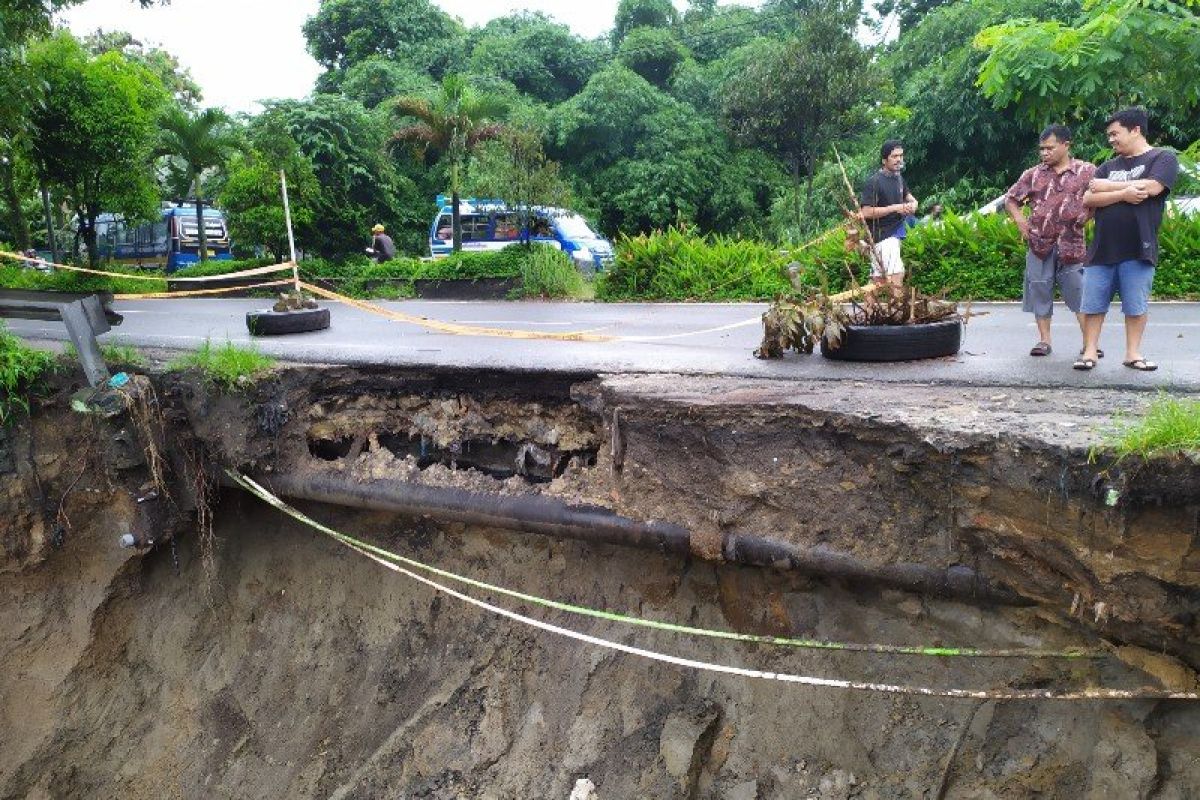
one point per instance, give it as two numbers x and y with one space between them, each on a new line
279 664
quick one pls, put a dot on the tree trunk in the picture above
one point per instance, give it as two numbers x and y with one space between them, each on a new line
810 166
17 224
796 192
87 229
200 222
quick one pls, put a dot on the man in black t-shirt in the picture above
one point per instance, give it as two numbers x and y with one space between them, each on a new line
885 206
382 248
1128 194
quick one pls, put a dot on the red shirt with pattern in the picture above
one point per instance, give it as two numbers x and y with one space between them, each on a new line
1056 203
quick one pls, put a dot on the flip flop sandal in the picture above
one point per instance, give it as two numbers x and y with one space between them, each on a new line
1084 363
1099 353
1141 364
1040 349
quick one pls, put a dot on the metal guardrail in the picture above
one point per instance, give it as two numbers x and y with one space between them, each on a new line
85 316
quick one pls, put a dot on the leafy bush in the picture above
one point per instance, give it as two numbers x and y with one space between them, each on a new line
14 276
361 277
982 257
21 370
549 272
678 264
227 366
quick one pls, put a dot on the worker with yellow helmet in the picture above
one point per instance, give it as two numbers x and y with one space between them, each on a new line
382 247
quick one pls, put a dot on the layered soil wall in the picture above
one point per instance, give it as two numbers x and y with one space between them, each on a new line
258 658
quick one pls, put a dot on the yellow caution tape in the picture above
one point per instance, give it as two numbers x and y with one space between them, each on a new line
227 276
197 292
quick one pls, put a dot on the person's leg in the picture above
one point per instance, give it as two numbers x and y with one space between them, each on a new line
1038 297
1070 285
886 265
1099 285
1135 280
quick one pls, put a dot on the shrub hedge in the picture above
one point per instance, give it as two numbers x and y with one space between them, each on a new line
976 257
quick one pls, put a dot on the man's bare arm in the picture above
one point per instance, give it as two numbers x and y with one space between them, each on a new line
1014 210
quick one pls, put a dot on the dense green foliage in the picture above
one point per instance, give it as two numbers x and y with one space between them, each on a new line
720 117
678 264
15 276
21 369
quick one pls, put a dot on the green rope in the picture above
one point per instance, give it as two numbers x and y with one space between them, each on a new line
611 616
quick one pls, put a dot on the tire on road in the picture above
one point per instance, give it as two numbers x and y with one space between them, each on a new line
278 323
897 342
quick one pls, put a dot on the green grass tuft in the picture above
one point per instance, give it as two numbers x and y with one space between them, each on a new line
21 371
549 272
112 352
228 365
1170 425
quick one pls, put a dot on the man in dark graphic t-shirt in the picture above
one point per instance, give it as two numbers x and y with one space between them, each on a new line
885 206
1128 195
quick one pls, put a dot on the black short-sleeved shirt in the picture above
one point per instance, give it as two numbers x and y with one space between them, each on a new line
1129 231
384 249
884 189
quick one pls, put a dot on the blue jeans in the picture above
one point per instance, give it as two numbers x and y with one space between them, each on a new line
1133 279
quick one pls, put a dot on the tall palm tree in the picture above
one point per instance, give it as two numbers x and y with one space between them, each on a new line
200 141
450 126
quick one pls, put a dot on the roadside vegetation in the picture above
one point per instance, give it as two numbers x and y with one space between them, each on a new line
1170 425
22 369
229 366
702 141
113 353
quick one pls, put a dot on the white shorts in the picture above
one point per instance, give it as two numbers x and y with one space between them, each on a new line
886 258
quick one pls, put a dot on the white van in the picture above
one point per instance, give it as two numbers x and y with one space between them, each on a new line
492 225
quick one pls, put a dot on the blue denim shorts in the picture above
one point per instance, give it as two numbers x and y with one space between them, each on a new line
1132 279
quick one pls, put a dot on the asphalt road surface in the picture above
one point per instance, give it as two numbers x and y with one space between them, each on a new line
701 338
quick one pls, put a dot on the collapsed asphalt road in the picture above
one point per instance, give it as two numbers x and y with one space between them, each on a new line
701 338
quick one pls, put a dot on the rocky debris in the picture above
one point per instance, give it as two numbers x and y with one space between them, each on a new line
685 741
584 790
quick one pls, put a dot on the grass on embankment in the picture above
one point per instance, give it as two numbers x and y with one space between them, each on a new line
229 365
1170 425
21 371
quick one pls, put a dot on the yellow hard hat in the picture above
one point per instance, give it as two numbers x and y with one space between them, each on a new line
377 229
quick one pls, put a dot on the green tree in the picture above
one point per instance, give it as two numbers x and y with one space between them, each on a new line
345 32
643 14
346 145
94 132
200 142
514 167
376 79
955 137
251 192
1120 52
177 78
542 58
450 127
800 97
653 53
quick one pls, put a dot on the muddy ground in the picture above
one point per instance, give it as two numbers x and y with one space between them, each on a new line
269 661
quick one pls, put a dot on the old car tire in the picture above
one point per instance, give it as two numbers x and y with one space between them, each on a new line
277 323
897 342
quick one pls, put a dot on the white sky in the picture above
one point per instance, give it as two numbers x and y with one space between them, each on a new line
241 51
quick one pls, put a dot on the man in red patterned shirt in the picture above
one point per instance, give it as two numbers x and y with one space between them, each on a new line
1053 190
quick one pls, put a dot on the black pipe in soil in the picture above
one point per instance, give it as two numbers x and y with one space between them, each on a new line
551 517
530 513
954 581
